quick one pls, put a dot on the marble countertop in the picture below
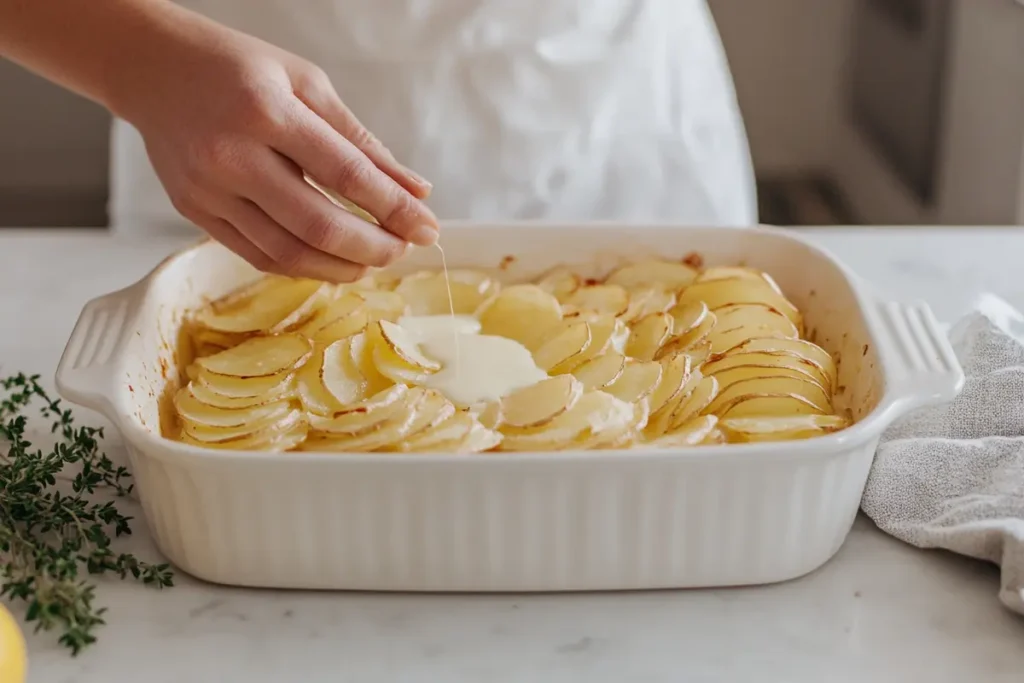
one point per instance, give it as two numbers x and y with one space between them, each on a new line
879 611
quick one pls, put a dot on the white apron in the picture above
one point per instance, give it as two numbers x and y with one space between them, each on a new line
561 110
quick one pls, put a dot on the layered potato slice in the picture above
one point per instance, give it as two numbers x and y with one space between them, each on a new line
654 354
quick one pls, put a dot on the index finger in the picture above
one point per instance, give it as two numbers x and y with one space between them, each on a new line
338 165
326 103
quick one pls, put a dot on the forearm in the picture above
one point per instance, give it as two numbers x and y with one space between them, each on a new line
101 49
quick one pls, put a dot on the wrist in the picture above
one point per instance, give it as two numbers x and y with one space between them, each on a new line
143 53
97 49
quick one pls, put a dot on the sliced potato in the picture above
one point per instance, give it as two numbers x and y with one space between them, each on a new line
609 299
753 429
458 434
739 290
661 419
638 380
567 343
594 413
689 435
479 279
762 386
694 337
699 354
405 346
429 294
430 411
525 313
368 414
203 337
723 339
340 376
361 350
607 334
245 387
734 272
244 294
656 355
306 310
798 347
623 427
648 335
644 302
676 372
754 316
715 437
560 282
599 372
631 434
280 420
389 365
687 318
652 273
343 327
259 357
488 414
738 322
390 347
201 351
379 280
382 305
281 437
693 433
344 316
768 405
192 409
422 408
210 397
479 440
313 395
388 432
716 365
618 337
740 373
260 308
453 429
540 403
696 403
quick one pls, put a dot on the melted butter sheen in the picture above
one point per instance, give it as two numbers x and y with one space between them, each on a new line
475 368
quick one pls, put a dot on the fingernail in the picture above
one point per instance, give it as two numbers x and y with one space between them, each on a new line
418 179
424 236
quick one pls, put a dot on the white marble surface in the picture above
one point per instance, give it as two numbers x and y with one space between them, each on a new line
879 611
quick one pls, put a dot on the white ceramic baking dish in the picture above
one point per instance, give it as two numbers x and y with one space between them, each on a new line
708 516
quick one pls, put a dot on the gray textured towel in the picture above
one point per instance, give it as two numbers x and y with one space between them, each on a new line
953 476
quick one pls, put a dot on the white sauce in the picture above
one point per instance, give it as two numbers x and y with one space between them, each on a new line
475 368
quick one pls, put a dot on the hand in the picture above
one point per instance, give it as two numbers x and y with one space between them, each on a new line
231 123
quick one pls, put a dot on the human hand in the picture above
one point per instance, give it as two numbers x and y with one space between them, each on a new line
231 123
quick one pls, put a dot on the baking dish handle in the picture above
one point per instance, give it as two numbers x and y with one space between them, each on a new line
921 368
86 374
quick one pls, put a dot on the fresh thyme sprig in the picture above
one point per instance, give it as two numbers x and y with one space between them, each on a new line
48 537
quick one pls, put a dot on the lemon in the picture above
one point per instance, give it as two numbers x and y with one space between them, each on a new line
12 650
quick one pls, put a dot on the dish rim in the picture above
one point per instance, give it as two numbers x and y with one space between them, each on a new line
891 405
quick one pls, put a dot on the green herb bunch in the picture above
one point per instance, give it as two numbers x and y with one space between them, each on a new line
47 538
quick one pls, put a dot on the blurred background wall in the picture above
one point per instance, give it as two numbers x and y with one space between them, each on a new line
872 111
797 65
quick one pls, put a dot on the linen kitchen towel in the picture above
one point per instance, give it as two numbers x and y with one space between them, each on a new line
952 476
